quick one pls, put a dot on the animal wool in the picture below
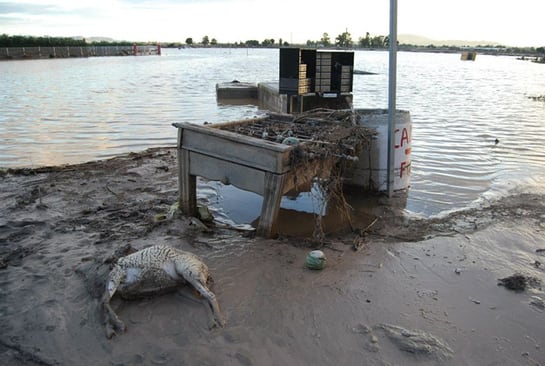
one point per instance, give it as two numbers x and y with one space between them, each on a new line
153 270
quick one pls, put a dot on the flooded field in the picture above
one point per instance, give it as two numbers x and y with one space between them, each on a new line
421 288
478 127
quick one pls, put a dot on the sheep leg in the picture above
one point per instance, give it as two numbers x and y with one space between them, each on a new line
112 320
211 298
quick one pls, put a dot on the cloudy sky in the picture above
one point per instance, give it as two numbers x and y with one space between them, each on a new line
509 22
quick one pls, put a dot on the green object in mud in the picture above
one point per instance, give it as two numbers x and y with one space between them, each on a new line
204 214
316 260
174 210
160 217
292 141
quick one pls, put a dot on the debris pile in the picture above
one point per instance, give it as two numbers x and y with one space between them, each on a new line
417 342
330 140
316 134
519 282
537 98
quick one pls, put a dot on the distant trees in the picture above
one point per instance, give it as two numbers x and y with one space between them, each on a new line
344 39
252 43
45 41
373 42
29 41
365 42
325 40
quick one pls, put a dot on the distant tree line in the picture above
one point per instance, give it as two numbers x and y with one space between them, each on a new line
29 41
206 41
486 49
343 40
44 41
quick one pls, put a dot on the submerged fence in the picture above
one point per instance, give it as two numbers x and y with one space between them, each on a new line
7 53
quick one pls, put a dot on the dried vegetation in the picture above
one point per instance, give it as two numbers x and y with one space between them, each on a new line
325 142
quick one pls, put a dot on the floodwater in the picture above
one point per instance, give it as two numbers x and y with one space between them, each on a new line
73 110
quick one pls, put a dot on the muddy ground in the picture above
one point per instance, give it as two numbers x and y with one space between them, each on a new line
417 292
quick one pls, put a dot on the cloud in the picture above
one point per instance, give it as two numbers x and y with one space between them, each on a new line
238 20
28 8
171 2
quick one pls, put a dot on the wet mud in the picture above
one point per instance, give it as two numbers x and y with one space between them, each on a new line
395 289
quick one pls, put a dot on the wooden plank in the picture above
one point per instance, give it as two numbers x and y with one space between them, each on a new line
237 123
214 130
187 184
271 204
236 152
250 164
240 176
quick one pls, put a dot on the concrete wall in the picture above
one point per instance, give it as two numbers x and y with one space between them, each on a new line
268 98
370 172
8 53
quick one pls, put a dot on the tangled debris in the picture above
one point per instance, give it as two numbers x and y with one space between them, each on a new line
316 134
519 282
417 341
328 139
537 98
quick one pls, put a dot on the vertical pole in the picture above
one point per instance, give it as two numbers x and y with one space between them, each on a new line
392 95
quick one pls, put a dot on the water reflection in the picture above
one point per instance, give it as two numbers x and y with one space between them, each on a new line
298 212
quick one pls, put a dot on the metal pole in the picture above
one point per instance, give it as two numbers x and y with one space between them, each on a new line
392 95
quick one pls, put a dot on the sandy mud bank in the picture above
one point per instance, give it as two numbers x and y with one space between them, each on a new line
416 292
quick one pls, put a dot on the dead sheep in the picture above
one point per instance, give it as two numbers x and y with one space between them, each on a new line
153 270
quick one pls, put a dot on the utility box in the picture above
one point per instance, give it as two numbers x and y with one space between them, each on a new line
334 72
314 79
297 70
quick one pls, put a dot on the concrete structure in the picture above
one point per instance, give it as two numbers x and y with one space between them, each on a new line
264 167
17 53
308 79
236 90
251 164
468 56
370 172
269 98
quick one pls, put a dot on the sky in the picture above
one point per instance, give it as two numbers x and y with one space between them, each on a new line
507 22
